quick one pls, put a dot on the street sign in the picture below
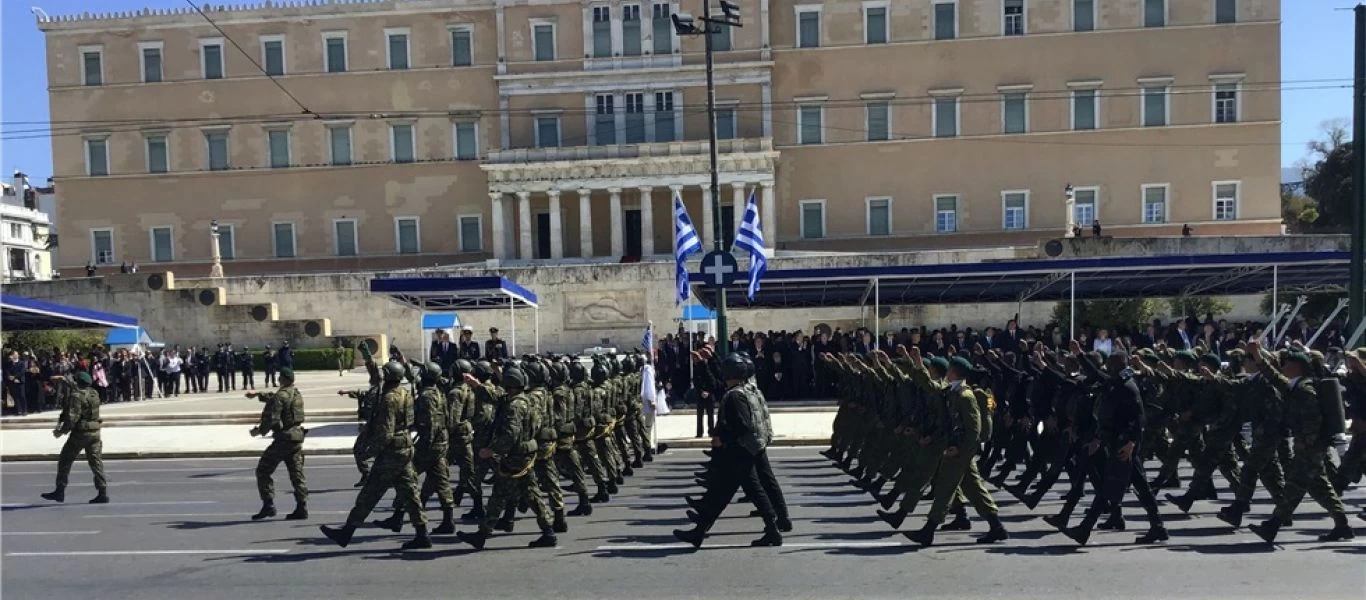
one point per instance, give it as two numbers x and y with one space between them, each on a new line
719 269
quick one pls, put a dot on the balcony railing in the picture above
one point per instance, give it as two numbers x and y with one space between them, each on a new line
619 151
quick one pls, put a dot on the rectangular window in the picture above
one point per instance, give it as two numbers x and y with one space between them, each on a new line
1154 13
406 234
1015 206
344 235
630 30
875 24
664 117
544 41
1154 204
227 241
401 143
466 141
1225 11
945 117
97 157
878 121
879 216
662 29
725 123
335 55
462 46
1083 15
946 214
339 140
283 239
1085 108
1226 201
720 38
102 246
273 55
602 32
279 147
809 127
157 157
151 62
1012 18
1084 207
162 245
945 20
217 142
1014 113
1154 106
813 219
605 120
808 27
547 132
635 118
471 234
92 65
211 58
397 48
1226 103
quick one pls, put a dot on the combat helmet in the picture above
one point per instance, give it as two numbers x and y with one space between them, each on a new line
431 373
483 369
577 372
514 378
559 374
394 371
734 368
461 367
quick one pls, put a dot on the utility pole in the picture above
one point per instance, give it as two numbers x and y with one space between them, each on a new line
684 25
1357 303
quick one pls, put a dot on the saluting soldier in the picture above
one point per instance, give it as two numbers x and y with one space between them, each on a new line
282 418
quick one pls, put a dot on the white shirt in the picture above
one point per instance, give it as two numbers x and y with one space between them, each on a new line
173 364
1105 346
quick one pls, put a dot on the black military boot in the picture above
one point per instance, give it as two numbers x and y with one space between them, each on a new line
693 503
300 513
857 473
889 499
1114 523
923 536
601 496
584 509
1057 521
559 526
474 516
638 463
1341 530
875 488
706 453
662 449
997 533
693 516
692 536
1082 532
620 480
341 536
447 525
547 540
101 496
363 478
1156 533
56 495
960 522
893 518
830 453
612 487
784 524
649 456
504 525
394 523
771 537
1183 502
267 511
1165 480
1268 529
419 541
475 539
1233 513
628 472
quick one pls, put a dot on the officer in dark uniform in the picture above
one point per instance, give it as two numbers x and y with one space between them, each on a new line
495 348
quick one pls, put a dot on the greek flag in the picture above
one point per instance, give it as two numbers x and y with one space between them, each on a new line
686 243
648 342
751 239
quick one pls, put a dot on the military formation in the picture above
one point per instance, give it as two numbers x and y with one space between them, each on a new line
914 429
525 426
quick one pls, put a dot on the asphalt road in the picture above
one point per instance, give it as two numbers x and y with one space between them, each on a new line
179 529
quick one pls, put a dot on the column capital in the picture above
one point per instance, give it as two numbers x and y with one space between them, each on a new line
585 192
495 196
646 188
677 188
767 183
553 193
614 191
738 185
523 195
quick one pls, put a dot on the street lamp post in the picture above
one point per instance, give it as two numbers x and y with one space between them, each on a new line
216 271
685 25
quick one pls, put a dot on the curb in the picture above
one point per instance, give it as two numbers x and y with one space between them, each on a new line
683 444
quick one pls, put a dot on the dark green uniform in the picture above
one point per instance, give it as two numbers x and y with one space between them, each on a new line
282 417
81 419
429 454
388 442
513 442
460 410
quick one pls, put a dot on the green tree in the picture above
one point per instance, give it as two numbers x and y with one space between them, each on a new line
1299 212
1106 313
1329 179
1198 306
72 339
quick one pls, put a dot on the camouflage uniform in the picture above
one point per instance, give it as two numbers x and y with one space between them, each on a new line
564 420
81 418
460 411
429 455
547 476
283 418
388 442
513 442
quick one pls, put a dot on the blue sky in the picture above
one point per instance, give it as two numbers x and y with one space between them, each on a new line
1316 44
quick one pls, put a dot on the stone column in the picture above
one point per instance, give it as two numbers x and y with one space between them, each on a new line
768 215
708 220
616 221
525 224
737 191
556 226
499 227
647 221
585 223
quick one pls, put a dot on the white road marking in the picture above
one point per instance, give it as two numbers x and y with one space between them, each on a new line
48 532
243 514
157 503
199 482
643 547
147 552
49 472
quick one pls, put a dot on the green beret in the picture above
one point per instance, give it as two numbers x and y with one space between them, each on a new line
1211 360
940 363
1298 357
84 379
961 364
1186 355
287 372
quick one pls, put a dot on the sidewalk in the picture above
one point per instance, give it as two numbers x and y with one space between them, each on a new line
810 427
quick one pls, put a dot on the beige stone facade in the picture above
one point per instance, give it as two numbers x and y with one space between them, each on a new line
455 131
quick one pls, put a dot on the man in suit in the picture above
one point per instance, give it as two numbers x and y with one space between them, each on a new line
220 367
444 352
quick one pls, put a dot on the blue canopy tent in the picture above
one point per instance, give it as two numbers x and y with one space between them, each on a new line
128 336
442 294
440 321
1043 280
26 314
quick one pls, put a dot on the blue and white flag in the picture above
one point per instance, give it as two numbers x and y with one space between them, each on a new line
648 342
751 239
686 243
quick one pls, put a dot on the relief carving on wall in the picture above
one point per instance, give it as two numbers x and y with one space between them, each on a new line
616 309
